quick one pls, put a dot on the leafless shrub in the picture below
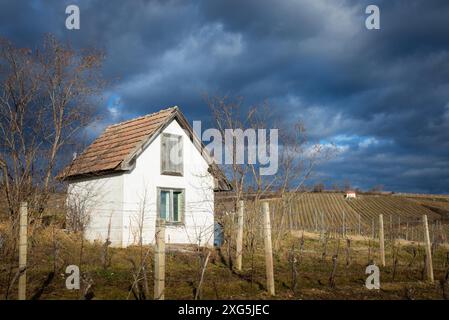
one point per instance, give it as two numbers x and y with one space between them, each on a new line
445 285
325 243
348 252
43 286
105 255
139 288
414 254
445 288
204 259
396 251
86 289
294 261
369 251
77 215
409 293
334 271
424 268
334 266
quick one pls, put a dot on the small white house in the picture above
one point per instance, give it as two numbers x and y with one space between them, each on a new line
350 194
140 170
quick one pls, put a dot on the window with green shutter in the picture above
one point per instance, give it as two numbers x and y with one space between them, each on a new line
171 204
164 207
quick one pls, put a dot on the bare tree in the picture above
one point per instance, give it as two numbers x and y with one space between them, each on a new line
377 188
47 96
139 288
79 206
319 187
296 161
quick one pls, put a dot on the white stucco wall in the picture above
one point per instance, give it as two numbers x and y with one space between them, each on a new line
128 197
141 188
102 200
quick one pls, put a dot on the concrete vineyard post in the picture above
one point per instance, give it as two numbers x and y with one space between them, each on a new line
382 240
23 250
239 240
159 261
429 266
268 247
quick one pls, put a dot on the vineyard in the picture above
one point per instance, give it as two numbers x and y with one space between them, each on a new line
330 211
322 245
439 205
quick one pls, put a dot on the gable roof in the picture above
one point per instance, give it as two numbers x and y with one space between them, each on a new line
117 147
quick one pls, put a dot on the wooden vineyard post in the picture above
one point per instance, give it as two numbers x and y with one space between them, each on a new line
429 266
159 260
295 217
391 227
406 232
239 240
23 250
360 225
433 232
290 220
343 227
332 226
268 247
322 229
441 232
382 240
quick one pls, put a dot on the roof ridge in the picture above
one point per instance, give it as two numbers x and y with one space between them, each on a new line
141 117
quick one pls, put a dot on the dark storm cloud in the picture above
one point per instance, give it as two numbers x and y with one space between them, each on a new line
381 96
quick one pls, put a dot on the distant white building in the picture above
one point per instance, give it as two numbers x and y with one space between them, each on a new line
140 170
350 194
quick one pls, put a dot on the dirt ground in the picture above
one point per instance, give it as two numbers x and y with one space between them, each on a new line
183 268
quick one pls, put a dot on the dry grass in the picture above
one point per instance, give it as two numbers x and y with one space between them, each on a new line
222 283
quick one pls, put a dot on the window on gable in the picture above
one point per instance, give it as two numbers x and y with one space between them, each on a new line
171 204
171 154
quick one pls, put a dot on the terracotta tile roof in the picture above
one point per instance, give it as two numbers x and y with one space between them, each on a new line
114 145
